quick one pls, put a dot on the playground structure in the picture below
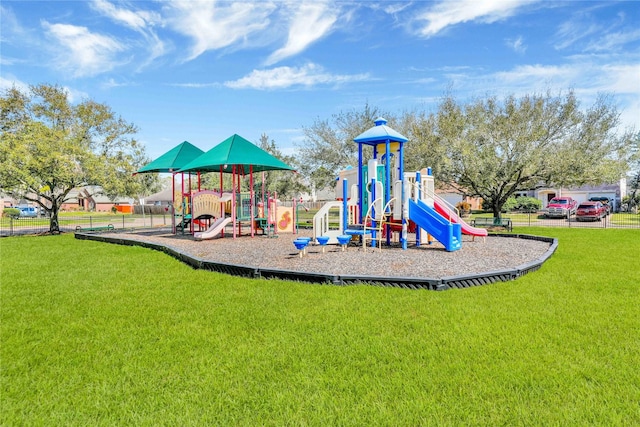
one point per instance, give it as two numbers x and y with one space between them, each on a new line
382 203
211 211
394 202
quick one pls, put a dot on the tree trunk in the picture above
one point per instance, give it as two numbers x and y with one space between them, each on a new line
496 210
54 226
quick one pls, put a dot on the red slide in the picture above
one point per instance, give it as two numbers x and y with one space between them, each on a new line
200 223
451 216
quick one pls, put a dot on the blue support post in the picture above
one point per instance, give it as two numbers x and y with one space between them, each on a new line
373 211
345 211
387 186
360 186
387 171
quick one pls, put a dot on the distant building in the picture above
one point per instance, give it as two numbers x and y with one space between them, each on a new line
453 197
7 201
88 199
614 192
91 199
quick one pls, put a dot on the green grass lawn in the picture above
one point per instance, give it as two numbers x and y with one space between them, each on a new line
625 218
99 334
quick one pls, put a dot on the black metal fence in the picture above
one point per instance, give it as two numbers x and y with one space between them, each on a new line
539 219
162 218
22 226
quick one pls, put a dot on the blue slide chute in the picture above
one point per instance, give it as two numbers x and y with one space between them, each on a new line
445 232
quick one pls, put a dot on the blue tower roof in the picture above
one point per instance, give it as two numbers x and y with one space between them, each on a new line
379 133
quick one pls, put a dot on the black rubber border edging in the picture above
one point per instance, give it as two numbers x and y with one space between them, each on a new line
462 281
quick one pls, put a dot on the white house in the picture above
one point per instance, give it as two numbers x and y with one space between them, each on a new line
614 192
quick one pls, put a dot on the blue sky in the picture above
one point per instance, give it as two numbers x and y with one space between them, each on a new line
204 70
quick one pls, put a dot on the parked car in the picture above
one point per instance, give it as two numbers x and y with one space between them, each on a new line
594 211
28 212
606 202
561 207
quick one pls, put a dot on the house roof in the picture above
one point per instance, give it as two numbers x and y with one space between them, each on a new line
165 195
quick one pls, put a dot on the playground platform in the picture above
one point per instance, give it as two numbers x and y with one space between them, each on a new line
501 257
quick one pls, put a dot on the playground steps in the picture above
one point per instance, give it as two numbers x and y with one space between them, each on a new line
184 223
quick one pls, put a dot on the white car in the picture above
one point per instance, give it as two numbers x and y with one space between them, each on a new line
28 212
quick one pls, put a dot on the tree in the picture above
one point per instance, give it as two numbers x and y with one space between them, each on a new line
286 184
495 148
489 148
328 145
421 151
632 199
48 146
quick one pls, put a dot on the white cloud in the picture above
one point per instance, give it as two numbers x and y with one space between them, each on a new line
195 85
140 21
395 8
309 23
8 82
284 77
588 30
535 75
613 41
213 25
134 20
571 32
5 61
623 78
82 52
10 24
587 77
75 96
111 83
630 113
447 13
517 45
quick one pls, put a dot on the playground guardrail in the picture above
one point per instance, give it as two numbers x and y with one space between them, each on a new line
418 189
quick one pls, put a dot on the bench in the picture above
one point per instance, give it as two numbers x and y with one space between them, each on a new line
100 228
485 222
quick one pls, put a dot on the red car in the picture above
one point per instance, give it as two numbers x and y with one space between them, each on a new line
591 211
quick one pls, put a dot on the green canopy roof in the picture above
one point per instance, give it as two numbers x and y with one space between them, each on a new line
173 159
235 151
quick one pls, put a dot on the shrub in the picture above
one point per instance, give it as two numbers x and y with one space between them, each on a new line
529 204
11 212
526 204
463 206
510 205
